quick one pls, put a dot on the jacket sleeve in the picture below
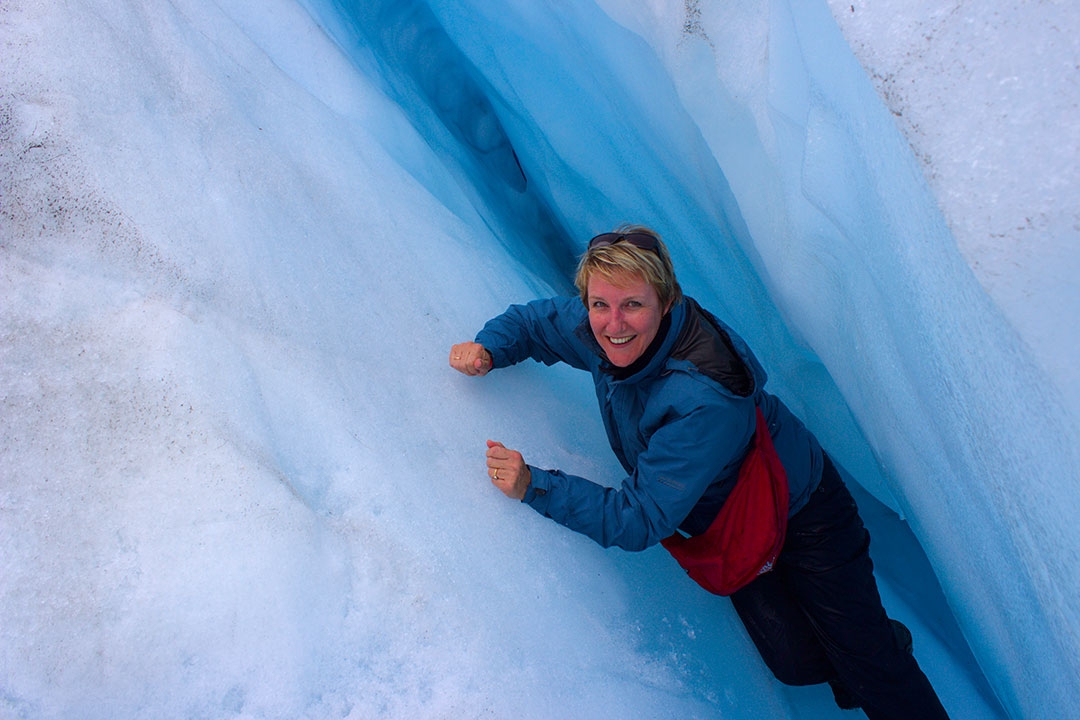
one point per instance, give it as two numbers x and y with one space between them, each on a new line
684 457
542 330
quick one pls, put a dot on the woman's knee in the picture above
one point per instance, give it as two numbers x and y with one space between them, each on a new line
784 639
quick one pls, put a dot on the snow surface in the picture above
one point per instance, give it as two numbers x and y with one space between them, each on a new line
239 480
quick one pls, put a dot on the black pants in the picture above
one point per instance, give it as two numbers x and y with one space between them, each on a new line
817 617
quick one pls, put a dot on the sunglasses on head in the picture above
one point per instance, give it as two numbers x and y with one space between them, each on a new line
643 241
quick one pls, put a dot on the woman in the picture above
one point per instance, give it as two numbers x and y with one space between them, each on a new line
678 392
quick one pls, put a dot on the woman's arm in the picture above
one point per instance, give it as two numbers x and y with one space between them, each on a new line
543 330
683 459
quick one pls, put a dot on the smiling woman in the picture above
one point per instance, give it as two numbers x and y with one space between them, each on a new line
681 397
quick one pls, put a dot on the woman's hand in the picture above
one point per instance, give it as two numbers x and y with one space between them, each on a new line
507 470
470 358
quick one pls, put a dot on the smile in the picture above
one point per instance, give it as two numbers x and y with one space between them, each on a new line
620 341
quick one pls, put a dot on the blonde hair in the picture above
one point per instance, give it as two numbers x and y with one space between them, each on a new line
621 258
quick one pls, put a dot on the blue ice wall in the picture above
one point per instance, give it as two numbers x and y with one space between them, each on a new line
405 48
795 211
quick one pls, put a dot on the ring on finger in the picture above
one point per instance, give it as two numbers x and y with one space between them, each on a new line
495 475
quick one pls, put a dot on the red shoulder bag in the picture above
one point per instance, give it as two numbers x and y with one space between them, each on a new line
746 537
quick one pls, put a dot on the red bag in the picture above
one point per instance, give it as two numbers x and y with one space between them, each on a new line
746 537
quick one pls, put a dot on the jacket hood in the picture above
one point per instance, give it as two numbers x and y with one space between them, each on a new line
718 353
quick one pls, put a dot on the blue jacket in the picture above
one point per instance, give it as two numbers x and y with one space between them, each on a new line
680 425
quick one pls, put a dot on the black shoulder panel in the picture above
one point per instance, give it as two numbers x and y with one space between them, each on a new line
709 348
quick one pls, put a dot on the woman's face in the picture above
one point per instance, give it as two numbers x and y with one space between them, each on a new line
624 316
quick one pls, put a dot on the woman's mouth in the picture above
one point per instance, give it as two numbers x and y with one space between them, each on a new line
620 341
